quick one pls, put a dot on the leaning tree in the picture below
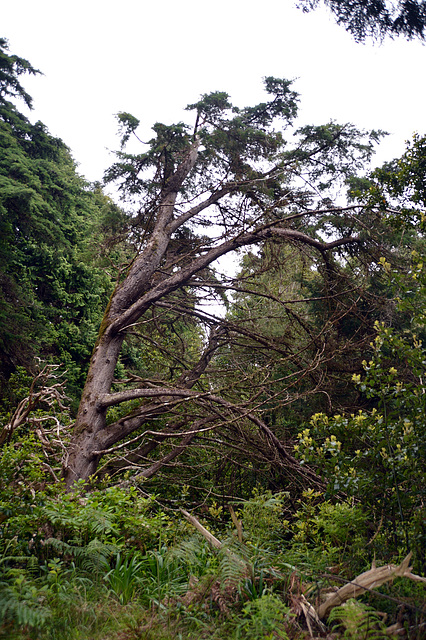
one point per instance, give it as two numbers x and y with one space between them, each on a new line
230 182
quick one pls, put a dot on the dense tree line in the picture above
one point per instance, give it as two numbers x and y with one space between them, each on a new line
51 289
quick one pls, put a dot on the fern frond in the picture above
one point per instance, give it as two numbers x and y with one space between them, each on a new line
195 554
23 607
359 621
87 520
93 557
234 564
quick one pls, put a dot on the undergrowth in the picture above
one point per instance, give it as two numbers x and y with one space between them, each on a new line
113 563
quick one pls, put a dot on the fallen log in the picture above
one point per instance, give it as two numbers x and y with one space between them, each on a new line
371 579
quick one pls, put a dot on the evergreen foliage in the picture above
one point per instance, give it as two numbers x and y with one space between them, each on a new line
376 18
51 288
114 558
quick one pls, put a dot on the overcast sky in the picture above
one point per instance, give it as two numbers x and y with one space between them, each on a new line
152 58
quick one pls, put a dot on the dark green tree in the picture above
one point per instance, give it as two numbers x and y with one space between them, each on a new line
51 288
376 18
11 67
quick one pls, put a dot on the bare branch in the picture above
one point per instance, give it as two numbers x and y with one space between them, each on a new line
179 279
48 394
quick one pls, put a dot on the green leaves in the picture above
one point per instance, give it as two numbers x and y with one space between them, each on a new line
51 290
123 579
241 136
211 105
128 125
332 152
376 18
358 621
378 453
11 67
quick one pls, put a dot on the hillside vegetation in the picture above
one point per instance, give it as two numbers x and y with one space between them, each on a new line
190 450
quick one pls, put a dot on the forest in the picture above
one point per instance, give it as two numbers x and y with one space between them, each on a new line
212 386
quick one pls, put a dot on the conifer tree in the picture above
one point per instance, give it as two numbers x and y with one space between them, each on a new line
51 292
230 182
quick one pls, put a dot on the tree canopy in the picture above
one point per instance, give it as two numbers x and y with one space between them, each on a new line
376 18
51 290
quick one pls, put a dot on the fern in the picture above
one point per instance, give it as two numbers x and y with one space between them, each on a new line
22 604
192 551
93 557
228 563
82 525
234 562
265 617
359 621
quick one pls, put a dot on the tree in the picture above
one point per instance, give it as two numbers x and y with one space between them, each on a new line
376 18
52 291
377 454
199 194
11 67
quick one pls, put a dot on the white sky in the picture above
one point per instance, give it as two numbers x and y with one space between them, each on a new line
151 59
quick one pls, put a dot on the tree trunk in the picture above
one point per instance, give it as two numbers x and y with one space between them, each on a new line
81 462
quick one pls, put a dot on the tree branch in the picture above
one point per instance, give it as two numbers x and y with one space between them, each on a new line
177 280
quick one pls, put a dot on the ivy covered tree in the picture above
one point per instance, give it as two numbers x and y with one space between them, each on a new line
230 182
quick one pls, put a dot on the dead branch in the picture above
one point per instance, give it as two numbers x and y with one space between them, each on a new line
371 579
211 539
50 392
